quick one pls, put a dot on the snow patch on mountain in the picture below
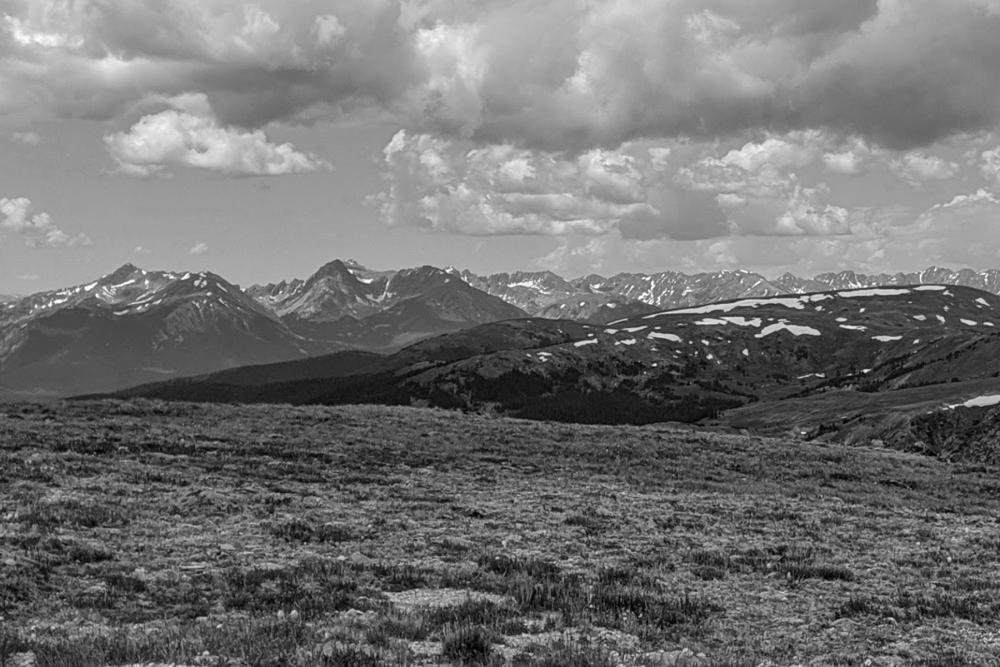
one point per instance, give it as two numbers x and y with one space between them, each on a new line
794 329
673 338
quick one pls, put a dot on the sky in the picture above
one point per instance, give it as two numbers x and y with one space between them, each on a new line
262 139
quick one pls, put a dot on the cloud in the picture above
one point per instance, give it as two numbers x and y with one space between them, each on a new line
444 185
990 166
553 76
917 167
457 187
188 135
761 195
851 159
142 251
26 138
198 249
892 238
18 216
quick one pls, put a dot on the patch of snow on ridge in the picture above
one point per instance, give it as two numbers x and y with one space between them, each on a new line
920 318
979 402
635 329
722 321
983 302
627 341
931 288
581 343
794 302
969 323
864 293
794 329
656 335
853 327
887 339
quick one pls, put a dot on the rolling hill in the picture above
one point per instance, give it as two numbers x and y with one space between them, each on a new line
683 364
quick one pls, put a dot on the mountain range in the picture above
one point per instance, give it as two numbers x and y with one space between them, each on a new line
135 326
916 350
545 294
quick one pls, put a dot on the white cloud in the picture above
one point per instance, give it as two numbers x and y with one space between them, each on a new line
27 138
18 216
761 195
188 135
457 187
981 196
852 158
451 186
882 239
142 251
198 249
795 150
990 166
916 167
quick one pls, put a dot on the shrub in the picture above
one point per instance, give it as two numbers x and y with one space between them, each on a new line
467 644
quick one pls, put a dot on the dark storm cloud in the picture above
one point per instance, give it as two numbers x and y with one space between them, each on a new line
561 75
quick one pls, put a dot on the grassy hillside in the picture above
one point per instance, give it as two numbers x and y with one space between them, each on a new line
144 532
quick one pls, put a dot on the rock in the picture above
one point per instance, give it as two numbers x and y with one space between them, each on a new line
684 657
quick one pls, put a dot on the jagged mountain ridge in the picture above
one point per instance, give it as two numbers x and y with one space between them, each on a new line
541 293
345 303
133 326
596 298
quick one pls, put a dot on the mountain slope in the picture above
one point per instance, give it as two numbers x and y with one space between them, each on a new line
348 305
546 294
684 364
134 326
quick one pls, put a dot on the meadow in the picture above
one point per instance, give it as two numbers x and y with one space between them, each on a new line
149 533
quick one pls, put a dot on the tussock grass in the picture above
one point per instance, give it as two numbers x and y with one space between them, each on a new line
265 535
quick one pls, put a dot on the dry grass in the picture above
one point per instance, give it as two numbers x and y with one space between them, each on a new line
213 535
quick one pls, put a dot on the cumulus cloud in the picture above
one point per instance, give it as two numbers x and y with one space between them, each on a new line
554 75
445 185
18 216
883 239
198 249
990 166
761 195
27 138
916 167
636 190
648 121
188 135
852 158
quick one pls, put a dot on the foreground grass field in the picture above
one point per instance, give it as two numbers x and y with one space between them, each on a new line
148 533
